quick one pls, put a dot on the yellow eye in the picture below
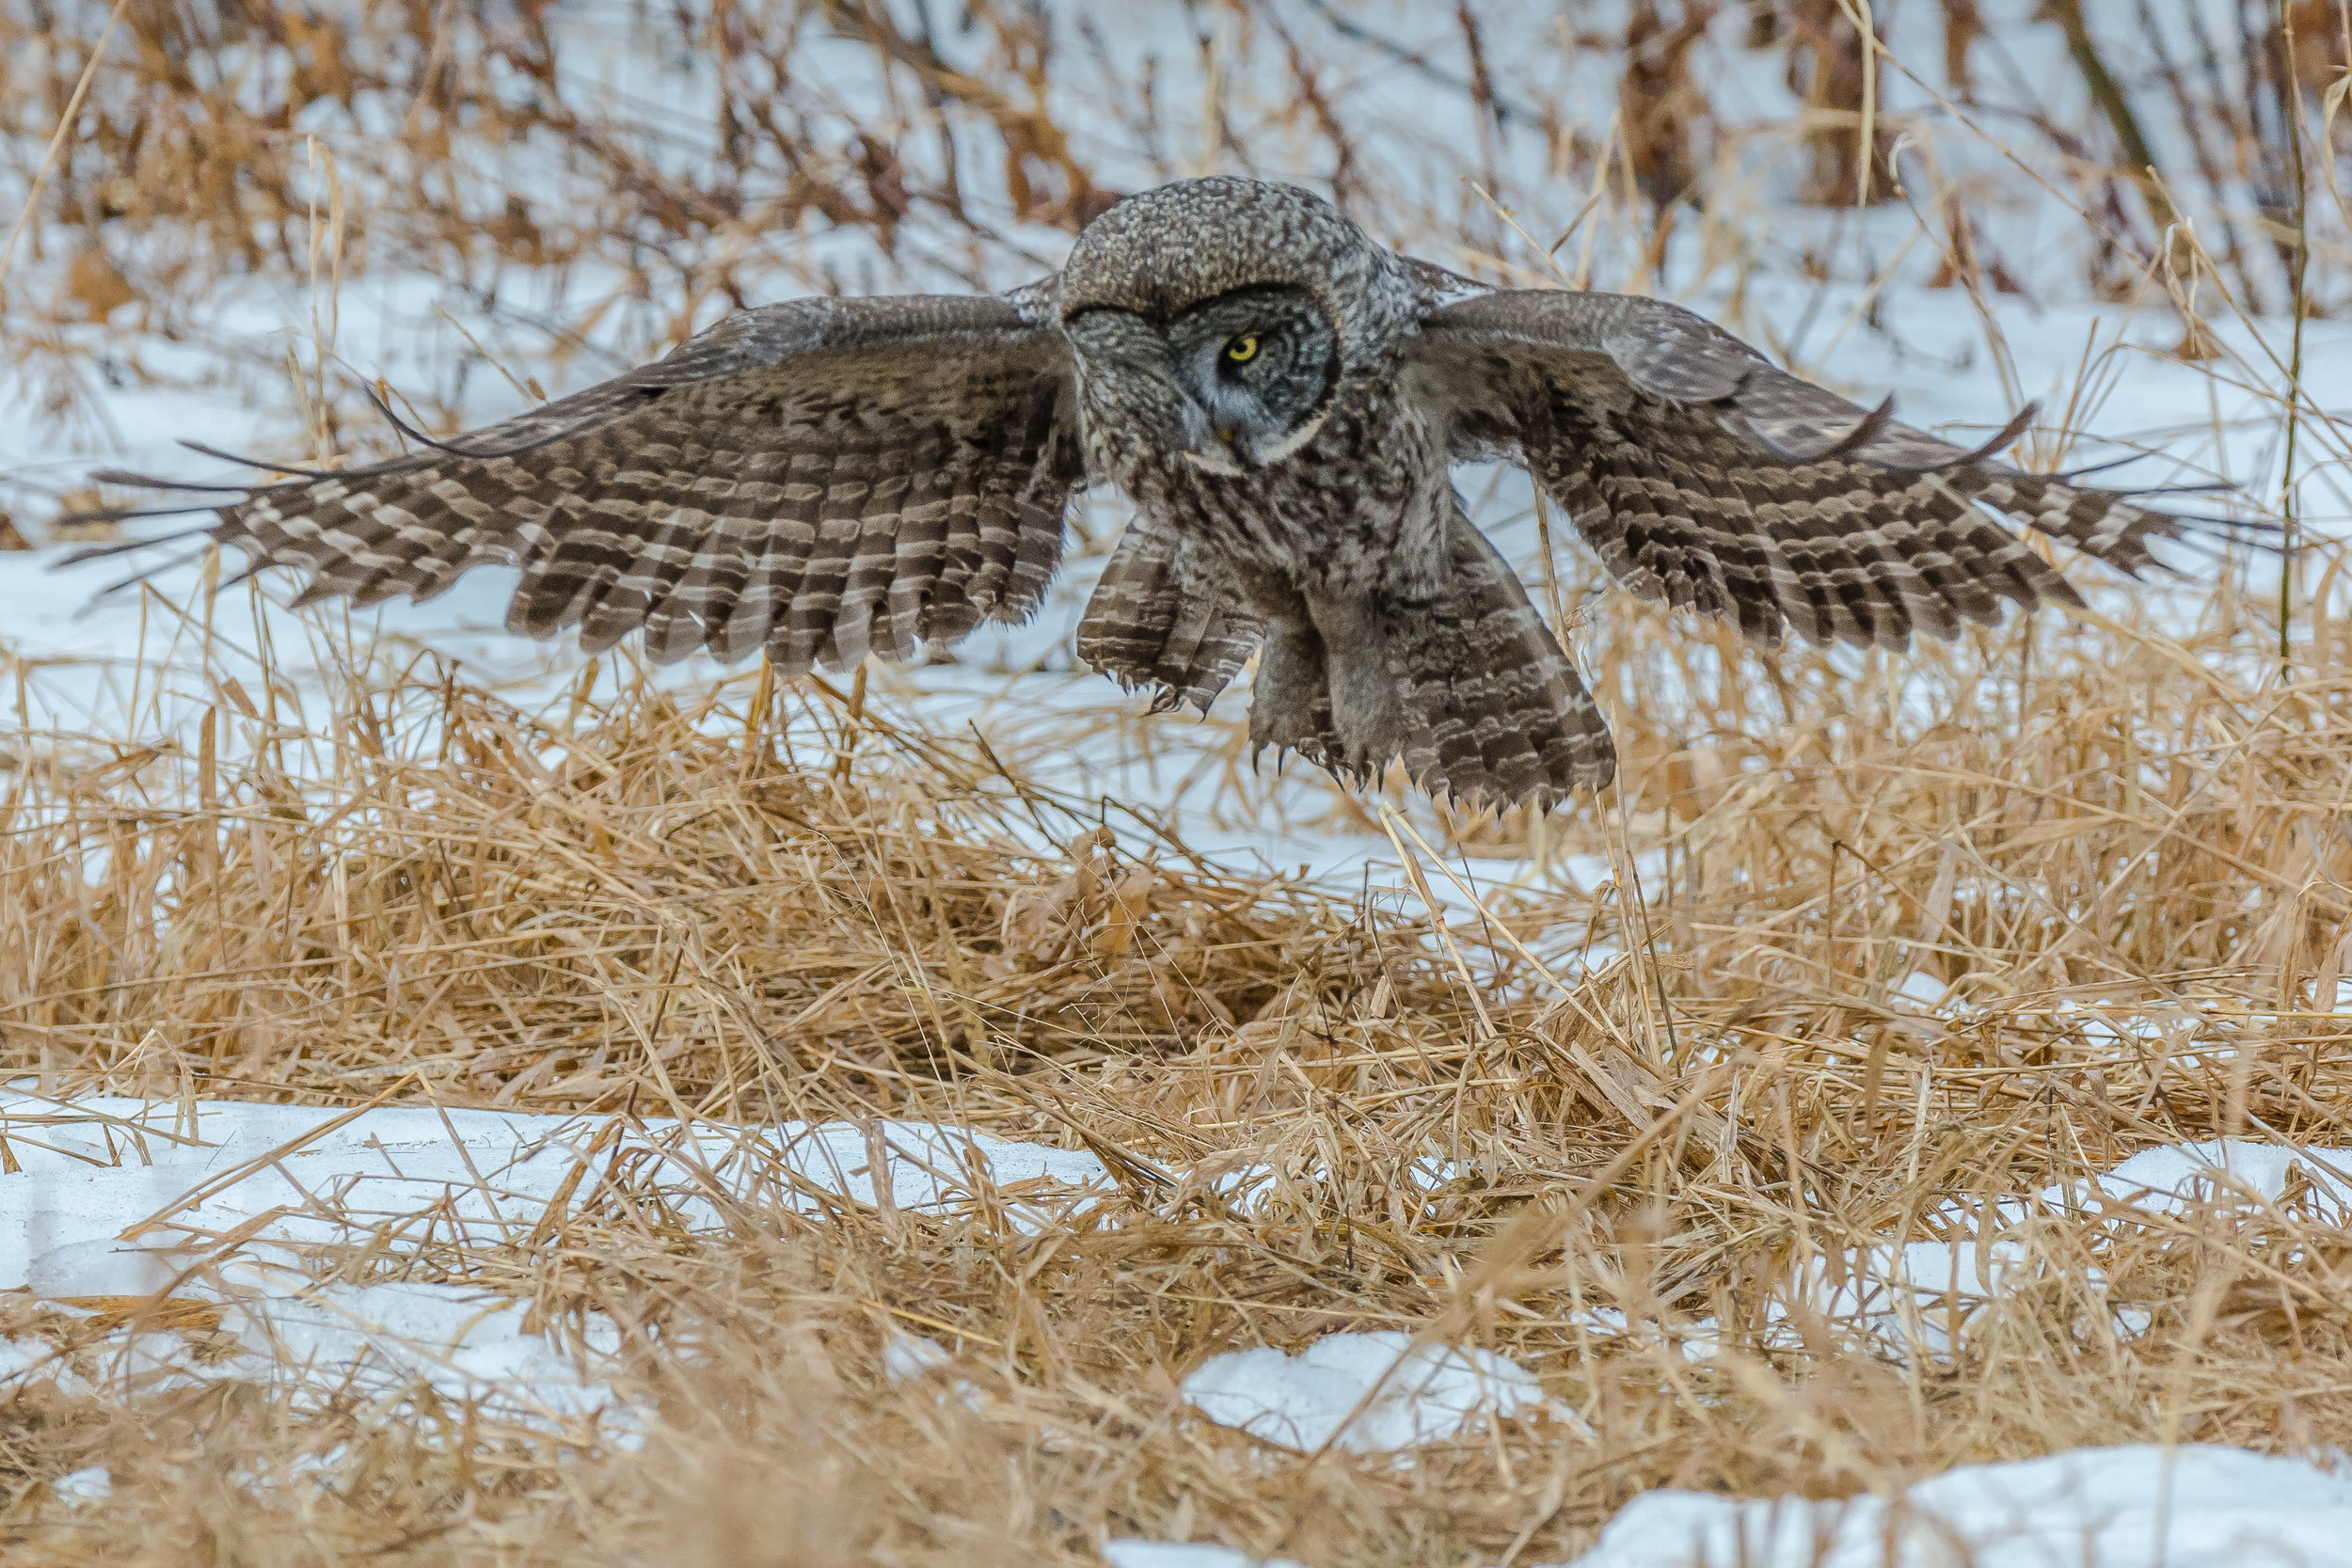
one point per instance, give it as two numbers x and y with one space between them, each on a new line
1243 349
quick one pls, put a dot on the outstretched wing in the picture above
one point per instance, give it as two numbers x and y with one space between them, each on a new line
815 479
1706 477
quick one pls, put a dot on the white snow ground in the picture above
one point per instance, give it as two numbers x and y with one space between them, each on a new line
217 1201
1365 1393
220 1199
2141 1505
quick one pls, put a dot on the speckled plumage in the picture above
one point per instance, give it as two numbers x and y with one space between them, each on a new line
825 478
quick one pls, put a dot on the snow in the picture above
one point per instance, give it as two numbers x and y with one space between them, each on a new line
2129 1507
908 1357
2175 1178
388 1341
92 1483
1916 1298
291 1177
1696 1341
466 1345
1921 1298
173 1177
1924 992
1906 1300
1369 1393
96 1167
2193 1506
1132 1553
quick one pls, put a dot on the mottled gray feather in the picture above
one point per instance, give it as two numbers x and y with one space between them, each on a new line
818 479
1669 443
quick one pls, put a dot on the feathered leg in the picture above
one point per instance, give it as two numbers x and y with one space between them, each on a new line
1164 616
1468 686
1493 710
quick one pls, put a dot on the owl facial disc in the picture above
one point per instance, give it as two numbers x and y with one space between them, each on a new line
1260 365
1219 316
1233 382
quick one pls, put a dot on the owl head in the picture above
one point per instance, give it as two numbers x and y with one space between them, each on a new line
1222 317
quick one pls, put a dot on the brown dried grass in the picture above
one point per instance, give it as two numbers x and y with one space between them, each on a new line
744 902
750 903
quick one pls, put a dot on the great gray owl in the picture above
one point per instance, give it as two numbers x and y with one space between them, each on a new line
1283 400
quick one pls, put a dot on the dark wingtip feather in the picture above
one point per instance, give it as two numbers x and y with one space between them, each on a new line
1865 431
2002 439
123 546
125 514
151 481
261 462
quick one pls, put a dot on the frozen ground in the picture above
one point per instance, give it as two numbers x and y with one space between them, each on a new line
195 1224
2134 1507
223 1203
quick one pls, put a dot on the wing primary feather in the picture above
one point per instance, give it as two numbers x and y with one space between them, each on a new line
413 433
261 462
2069 476
150 482
2001 441
788 480
122 513
1704 476
124 547
120 584
814 480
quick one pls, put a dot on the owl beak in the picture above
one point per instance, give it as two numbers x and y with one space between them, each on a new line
1222 456
1218 445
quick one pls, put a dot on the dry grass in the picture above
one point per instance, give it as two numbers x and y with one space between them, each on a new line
730 909
741 903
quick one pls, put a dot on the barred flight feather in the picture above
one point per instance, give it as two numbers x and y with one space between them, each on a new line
818 480
1706 477
1163 615
1496 712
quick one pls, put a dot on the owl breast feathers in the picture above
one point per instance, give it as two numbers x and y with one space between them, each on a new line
1282 399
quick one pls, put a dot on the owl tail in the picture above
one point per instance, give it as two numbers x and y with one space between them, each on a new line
1468 688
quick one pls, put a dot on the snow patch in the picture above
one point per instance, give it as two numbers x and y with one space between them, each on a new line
1409 1394
908 1357
1923 991
466 1345
95 1167
90 1484
2175 1178
2191 1507
290 1177
1914 1299
1131 1553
